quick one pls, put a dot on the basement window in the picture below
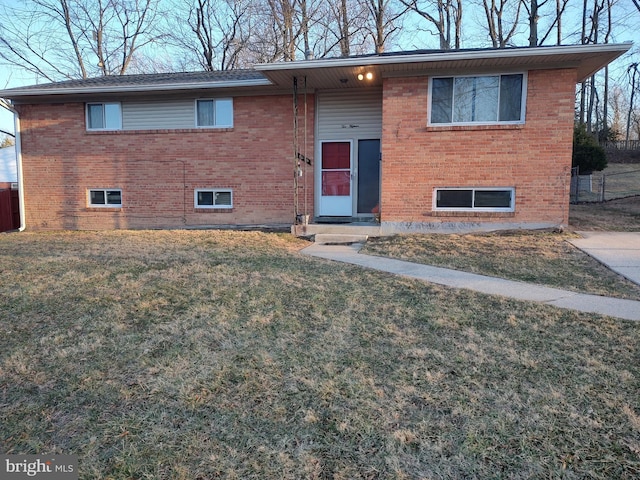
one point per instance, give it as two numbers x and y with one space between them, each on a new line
104 116
475 199
213 198
103 197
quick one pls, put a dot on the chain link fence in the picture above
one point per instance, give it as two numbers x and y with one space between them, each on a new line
618 180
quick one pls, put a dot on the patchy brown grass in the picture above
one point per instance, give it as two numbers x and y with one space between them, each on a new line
544 258
197 355
622 215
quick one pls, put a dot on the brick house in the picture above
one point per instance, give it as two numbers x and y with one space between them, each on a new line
412 141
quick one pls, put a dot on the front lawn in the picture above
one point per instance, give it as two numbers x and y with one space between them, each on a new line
197 355
621 215
540 257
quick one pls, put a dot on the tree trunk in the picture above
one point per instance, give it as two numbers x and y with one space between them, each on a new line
533 24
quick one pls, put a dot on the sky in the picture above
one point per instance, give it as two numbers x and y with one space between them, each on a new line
627 31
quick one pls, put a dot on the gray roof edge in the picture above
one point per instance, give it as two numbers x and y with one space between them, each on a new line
449 55
150 87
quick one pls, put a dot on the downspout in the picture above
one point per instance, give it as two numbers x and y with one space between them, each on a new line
18 147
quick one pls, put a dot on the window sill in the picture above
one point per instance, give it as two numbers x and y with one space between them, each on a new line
465 128
213 210
103 209
470 214
157 131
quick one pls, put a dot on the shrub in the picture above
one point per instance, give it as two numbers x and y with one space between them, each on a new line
587 154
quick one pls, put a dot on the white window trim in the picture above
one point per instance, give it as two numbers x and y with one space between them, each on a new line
523 113
511 208
215 99
214 191
105 205
86 115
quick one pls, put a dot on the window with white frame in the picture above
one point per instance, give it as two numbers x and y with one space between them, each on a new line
213 198
475 199
216 112
104 197
104 116
477 99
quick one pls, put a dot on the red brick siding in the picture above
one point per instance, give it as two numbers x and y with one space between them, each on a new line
535 158
159 170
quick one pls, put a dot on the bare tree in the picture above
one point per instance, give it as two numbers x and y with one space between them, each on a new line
384 21
215 34
287 27
502 18
280 28
57 39
343 24
590 34
535 12
444 15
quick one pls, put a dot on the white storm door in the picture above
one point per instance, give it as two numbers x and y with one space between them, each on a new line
336 189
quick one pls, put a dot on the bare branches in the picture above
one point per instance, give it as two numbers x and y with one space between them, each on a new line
446 18
57 39
383 21
498 14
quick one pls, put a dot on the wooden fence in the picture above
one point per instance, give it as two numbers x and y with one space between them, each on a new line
623 145
9 210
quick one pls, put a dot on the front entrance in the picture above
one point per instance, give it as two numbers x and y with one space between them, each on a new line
349 188
347 152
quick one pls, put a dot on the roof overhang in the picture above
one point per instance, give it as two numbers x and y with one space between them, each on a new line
139 88
336 73
344 72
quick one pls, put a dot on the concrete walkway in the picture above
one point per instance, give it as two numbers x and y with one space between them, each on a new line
620 251
626 309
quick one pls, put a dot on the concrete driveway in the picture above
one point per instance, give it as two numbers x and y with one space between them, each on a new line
620 251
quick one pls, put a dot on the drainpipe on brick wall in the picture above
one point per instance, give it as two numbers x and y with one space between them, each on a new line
18 147
21 205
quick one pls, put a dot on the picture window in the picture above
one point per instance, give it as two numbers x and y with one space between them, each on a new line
477 99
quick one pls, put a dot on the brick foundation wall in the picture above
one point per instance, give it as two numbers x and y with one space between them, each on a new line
535 158
158 171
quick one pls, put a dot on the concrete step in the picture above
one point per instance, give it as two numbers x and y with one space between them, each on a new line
339 238
345 229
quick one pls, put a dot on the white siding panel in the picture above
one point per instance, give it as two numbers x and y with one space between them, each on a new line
349 115
152 115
